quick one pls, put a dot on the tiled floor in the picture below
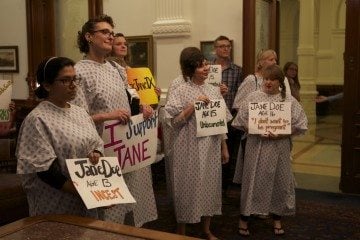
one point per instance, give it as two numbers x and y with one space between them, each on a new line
317 155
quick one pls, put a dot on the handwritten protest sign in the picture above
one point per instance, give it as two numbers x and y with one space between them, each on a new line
134 144
101 184
214 76
144 83
5 99
210 118
272 117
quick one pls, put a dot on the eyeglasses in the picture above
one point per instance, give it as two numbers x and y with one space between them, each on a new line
224 46
67 81
106 32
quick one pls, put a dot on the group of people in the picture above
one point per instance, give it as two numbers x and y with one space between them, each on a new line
79 97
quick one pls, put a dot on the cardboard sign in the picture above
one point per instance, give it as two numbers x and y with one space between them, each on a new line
101 184
272 117
5 99
134 144
210 118
215 75
144 83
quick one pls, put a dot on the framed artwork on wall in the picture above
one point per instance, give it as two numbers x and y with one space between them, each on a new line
140 51
207 48
9 59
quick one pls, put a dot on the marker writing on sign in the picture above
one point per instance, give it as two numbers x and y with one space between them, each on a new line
211 104
140 128
147 84
103 168
101 195
130 155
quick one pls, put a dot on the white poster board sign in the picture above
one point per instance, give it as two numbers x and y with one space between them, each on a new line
210 118
101 184
272 117
5 99
215 75
134 144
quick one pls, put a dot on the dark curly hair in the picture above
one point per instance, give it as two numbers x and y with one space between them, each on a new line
89 27
47 71
190 59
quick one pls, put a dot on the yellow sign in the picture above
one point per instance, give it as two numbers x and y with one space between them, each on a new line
144 83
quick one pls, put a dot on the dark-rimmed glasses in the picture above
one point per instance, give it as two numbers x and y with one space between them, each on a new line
67 81
223 46
105 32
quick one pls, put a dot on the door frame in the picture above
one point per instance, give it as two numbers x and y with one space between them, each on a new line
249 32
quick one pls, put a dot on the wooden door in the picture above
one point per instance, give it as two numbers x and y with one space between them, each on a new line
350 152
260 21
41 24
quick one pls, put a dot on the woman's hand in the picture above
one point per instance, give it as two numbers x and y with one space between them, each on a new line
120 114
158 91
223 89
204 99
12 106
273 136
147 111
94 157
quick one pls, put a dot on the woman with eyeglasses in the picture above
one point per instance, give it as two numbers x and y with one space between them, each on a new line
103 95
54 131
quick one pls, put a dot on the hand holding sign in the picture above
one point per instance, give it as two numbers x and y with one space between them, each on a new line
94 157
101 184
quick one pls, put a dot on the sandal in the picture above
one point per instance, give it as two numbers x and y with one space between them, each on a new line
279 231
244 232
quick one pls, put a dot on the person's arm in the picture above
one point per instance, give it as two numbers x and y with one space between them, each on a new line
189 110
223 89
184 115
119 114
335 97
54 177
320 99
224 152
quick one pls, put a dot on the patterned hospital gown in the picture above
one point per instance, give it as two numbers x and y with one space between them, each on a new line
196 162
268 185
102 90
249 85
168 133
50 133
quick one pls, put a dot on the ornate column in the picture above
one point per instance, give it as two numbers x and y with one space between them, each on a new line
306 59
170 20
170 31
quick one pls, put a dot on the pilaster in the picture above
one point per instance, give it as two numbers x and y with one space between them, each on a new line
306 59
170 20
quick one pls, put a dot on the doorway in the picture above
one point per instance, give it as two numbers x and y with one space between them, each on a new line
317 157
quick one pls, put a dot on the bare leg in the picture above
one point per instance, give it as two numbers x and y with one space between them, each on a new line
181 228
243 226
278 230
206 228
